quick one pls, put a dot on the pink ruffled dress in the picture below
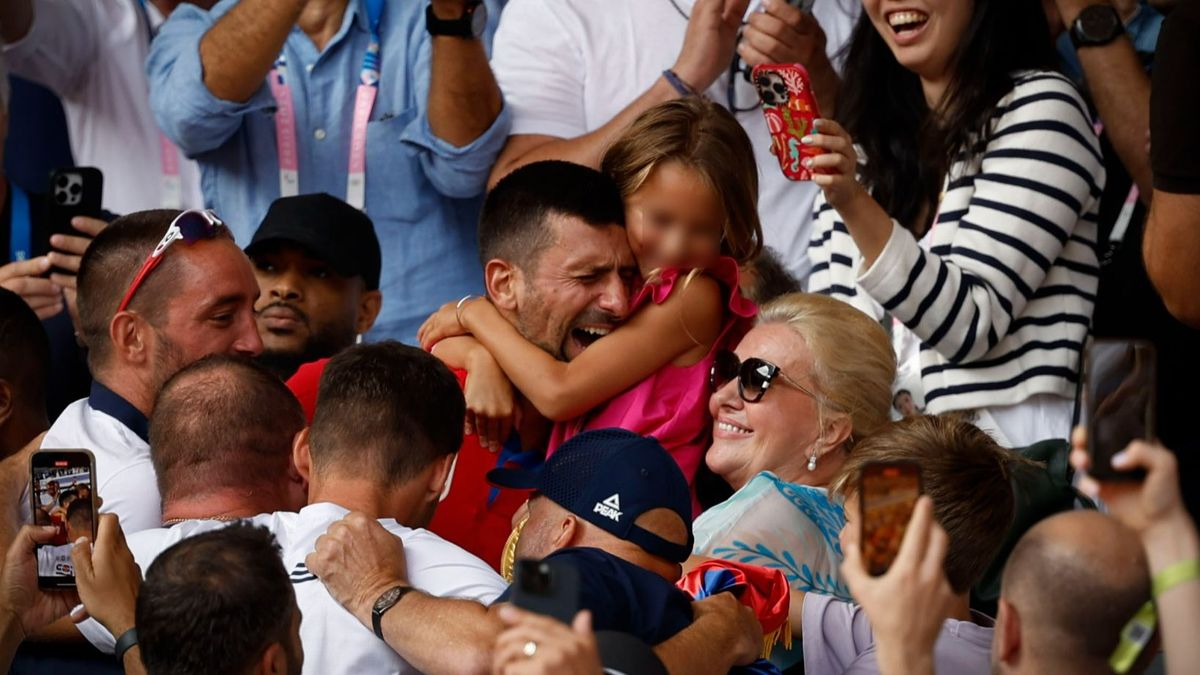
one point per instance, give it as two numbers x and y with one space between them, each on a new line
672 404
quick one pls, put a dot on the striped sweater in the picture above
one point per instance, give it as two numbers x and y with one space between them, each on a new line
1002 297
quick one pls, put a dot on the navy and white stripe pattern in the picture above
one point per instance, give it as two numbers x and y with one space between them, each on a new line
1002 299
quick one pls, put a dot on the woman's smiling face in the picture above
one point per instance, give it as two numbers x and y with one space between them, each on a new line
922 34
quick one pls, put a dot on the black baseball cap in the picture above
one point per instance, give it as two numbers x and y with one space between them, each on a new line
329 228
609 477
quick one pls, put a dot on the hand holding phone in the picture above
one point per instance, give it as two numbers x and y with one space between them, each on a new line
549 587
1119 401
790 108
888 493
77 191
62 496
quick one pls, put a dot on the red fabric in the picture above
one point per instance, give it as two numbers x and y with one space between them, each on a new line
765 590
304 384
464 518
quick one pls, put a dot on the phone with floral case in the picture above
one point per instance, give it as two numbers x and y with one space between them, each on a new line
790 108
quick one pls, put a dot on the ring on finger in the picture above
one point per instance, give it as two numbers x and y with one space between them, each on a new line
529 649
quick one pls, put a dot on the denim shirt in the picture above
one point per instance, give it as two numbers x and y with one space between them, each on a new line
422 193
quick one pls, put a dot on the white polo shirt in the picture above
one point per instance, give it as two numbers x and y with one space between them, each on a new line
567 67
92 54
117 434
334 641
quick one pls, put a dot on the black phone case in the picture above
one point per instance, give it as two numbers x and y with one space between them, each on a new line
72 192
555 594
1119 401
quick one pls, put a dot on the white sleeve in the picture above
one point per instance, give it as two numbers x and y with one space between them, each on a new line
98 635
132 494
446 571
59 46
538 66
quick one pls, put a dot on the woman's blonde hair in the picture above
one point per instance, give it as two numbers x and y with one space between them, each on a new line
853 364
706 138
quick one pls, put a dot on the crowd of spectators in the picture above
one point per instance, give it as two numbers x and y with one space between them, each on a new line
467 336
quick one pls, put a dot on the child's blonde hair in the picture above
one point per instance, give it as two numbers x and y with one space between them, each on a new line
706 138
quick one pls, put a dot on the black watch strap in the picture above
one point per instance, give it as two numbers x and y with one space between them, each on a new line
127 641
466 26
386 601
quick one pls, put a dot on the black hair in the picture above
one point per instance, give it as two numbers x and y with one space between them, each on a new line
24 350
768 279
385 410
80 512
214 602
907 146
513 225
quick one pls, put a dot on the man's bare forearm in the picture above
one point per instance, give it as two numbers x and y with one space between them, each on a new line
16 17
440 635
240 49
464 98
587 149
1120 90
703 647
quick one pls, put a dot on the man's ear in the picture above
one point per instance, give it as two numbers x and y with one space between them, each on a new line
130 337
569 530
439 476
301 455
1007 636
274 661
369 304
7 403
503 282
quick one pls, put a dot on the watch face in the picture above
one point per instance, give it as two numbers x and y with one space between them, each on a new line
1099 22
479 19
388 598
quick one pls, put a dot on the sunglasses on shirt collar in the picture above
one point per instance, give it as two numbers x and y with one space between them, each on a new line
190 227
754 376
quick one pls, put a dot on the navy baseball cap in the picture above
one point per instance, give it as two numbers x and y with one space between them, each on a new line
610 477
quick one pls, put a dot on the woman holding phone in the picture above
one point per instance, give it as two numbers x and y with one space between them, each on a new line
965 208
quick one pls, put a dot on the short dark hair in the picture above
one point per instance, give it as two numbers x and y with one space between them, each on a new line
1078 600
513 224
768 278
24 349
108 268
385 410
964 472
80 513
222 422
214 602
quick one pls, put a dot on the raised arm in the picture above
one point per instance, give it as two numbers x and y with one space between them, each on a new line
464 98
51 43
241 47
656 336
533 79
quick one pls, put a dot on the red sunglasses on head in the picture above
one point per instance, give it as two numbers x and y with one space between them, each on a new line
190 226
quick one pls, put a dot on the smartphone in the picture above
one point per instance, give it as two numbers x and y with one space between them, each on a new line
1120 378
77 191
790 108
62 495
549 587
887 494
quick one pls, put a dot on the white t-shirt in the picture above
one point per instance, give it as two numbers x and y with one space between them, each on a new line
124 478
92 54
567 67
334 641
55 561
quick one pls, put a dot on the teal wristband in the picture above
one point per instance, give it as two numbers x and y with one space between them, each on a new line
677 83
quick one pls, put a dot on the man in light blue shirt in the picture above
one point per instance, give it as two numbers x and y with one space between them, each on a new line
435 129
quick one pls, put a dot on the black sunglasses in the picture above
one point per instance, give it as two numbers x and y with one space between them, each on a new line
754 376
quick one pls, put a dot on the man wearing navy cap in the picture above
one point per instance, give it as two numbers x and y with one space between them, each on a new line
317 261
610 503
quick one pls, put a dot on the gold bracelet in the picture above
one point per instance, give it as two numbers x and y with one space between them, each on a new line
458 309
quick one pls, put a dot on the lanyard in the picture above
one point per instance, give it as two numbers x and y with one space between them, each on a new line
20 236
168 154
364 102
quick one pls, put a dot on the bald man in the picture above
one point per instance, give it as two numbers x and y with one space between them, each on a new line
1070 586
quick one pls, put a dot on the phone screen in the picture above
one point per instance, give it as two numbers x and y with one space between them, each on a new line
888 493
63 496
1119 394
548 587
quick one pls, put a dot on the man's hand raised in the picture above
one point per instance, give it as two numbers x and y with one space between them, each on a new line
357 560
708 45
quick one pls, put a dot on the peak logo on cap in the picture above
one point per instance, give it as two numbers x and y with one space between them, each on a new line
610 508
